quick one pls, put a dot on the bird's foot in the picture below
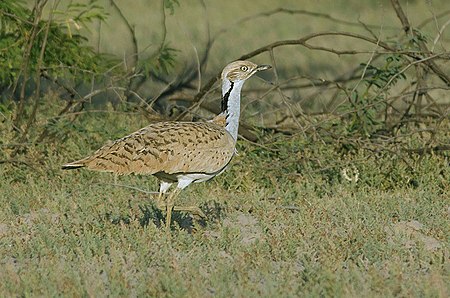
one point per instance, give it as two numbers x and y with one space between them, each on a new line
161 205
191 209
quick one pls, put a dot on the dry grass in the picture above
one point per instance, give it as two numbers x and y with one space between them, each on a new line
278 226
283 220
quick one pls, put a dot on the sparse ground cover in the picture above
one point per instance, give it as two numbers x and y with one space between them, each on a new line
278 225
314 206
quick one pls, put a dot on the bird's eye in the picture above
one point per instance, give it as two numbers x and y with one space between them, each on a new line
244 68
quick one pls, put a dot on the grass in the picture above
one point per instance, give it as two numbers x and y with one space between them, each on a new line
283 220
288 231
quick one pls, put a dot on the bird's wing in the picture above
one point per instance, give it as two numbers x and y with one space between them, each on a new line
169 147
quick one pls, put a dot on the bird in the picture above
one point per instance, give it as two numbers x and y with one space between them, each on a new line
179 152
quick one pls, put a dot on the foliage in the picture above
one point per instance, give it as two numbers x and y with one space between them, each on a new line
371 103
11 29
159 63
170 5
65 52
349 200
80 15
35 51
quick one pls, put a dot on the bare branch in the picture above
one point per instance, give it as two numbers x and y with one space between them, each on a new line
24 70
423 47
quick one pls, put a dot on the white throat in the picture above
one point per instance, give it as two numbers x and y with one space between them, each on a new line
231 105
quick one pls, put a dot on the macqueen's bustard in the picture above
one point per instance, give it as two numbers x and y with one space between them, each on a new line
179 152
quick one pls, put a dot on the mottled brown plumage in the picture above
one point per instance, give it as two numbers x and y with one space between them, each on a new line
165 149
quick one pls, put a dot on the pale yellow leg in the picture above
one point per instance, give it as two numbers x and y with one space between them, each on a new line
169 208
160 202
169 216
162 205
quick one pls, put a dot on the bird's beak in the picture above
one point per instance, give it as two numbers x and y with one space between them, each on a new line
263 67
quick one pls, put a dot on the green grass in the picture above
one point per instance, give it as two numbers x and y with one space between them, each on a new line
278 226
282 220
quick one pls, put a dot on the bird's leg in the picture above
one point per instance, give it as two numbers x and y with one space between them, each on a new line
160 203
169 215
182 184
169 207
168 204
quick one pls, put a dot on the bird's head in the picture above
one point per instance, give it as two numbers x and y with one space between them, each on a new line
241 70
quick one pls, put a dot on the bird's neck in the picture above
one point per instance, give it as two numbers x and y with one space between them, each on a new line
231 105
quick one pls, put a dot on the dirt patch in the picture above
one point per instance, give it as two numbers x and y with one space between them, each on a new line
3 229
415 232
248 225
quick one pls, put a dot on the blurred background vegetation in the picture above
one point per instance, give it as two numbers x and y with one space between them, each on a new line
373 76
377 72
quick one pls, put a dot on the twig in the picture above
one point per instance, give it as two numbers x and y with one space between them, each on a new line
438 36
129 187
17 162
407 28
24 70
131 30
434 17
37 92
135 52
291 12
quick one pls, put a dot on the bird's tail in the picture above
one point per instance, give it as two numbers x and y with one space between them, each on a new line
74 165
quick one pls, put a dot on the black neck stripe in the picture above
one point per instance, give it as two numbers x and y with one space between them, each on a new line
226 96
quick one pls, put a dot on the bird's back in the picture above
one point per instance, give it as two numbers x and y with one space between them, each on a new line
165 147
